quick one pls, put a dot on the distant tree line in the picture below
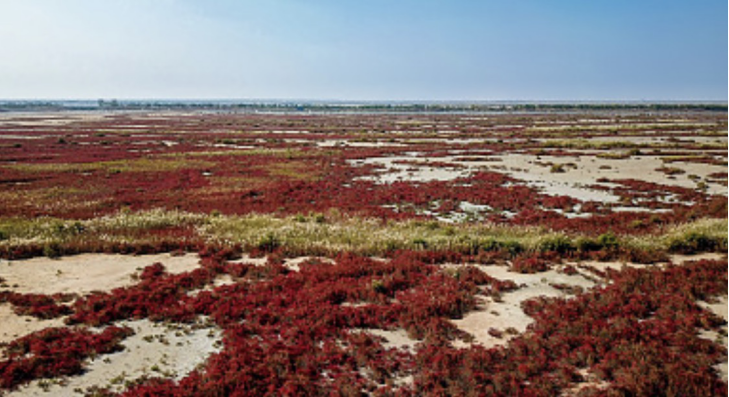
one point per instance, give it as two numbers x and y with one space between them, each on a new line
355 107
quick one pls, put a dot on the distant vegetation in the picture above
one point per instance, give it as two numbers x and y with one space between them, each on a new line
354 106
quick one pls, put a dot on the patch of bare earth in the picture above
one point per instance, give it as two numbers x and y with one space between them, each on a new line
84 273
395 339
79 274
507 320
13 326
720 308
505 313
155 350
499 320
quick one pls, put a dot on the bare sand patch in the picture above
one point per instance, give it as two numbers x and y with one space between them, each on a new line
535 171
45 119
708 255
293 263
395 339
721 309
13 326
79 274
506 314
84 273
676 259
155 350
353 143
411 168
251 260
588 169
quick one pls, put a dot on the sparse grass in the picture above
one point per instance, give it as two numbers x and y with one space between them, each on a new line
294 169
700 236
331 233
285 153
363 236
589 144
671 170
114 166
618 155
54 237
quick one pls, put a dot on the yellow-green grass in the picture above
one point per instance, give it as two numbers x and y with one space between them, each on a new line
331 233
284 153
130 165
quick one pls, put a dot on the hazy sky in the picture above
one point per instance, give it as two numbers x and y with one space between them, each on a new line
365 49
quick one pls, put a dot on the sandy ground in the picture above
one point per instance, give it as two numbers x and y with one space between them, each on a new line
46 119
13 326
591 168
84 273
508 313
535 171
353 143
721 309
79 274
395 339
159 350
250 260
412 172
155 350
293 263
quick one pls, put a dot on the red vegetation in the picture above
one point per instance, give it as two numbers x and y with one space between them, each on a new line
294 332
237 164
305 332
638 333
55 352
37 305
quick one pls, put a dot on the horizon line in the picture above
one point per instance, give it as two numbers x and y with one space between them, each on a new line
374 101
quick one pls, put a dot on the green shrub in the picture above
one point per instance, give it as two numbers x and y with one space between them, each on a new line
560 244
694 242
269 243
378 286
420 243
586 244
509 246
607 240
51 251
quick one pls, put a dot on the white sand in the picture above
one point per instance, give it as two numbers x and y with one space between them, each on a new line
13 326
395 339
293 263
588 171
536 172
84 273
79 274
508 312
155 350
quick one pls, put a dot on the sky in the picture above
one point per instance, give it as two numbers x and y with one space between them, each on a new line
525 50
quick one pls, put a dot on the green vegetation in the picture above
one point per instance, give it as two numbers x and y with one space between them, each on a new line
331 233
114 166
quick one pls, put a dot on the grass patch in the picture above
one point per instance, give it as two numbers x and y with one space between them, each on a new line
115 166
283 153
294 169
331 233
